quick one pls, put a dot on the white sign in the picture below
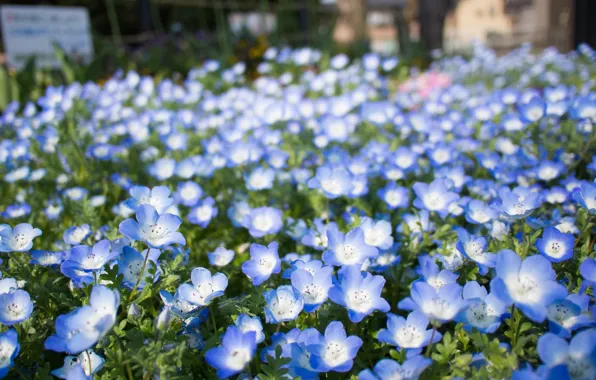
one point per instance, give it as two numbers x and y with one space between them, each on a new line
31 30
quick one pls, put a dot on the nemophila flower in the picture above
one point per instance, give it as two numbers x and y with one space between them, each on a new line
87 361
156 230
317 237
47 258
554 245
19 239
359 292
477 212
332 181
188 193
348 249
483 310
533 110
163 168
433 275
336 351
247 323
568 314
158 197
263 221
578 356
410 333
394 196
313 285
9 349
235 353
203 212
282 304
87 259
387 369
82 328
377 234
440 305
588 271
549 170
15 304
530 284
16 211
518 203
260 179
586 197
434 197
300 262
205 287
220 257
263 262
130 266
474 248
416 223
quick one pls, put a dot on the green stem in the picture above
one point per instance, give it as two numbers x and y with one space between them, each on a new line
213 320
132 293
430 344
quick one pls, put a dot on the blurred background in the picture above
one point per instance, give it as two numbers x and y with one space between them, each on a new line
169 37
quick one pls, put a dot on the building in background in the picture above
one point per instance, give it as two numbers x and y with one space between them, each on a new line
500 24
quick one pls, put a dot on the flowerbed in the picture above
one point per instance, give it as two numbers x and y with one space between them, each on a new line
315 223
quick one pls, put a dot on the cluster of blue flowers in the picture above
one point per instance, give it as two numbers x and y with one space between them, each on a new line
321 221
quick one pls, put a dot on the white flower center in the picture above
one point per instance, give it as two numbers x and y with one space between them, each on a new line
262 222
335 353
238 359
359 300
408 336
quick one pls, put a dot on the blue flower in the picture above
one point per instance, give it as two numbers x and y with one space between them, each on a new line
131 264
336 351
87 259
314 286
203 212
588 271
376 234
578 355
235 353
77 234
283 304
394 196
15 304
158 197
440 305
332 181
530 284
19 239
317 237
483 311
205 287
260 179
348 249
359 292
387 369
519 203
263 221
477 212
263 262
47 258
434 196
474 248
568 314
247 323
188 193
533 110
220 257
82 328
155 230
9 347
586 197
408 333
87 361
555 246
